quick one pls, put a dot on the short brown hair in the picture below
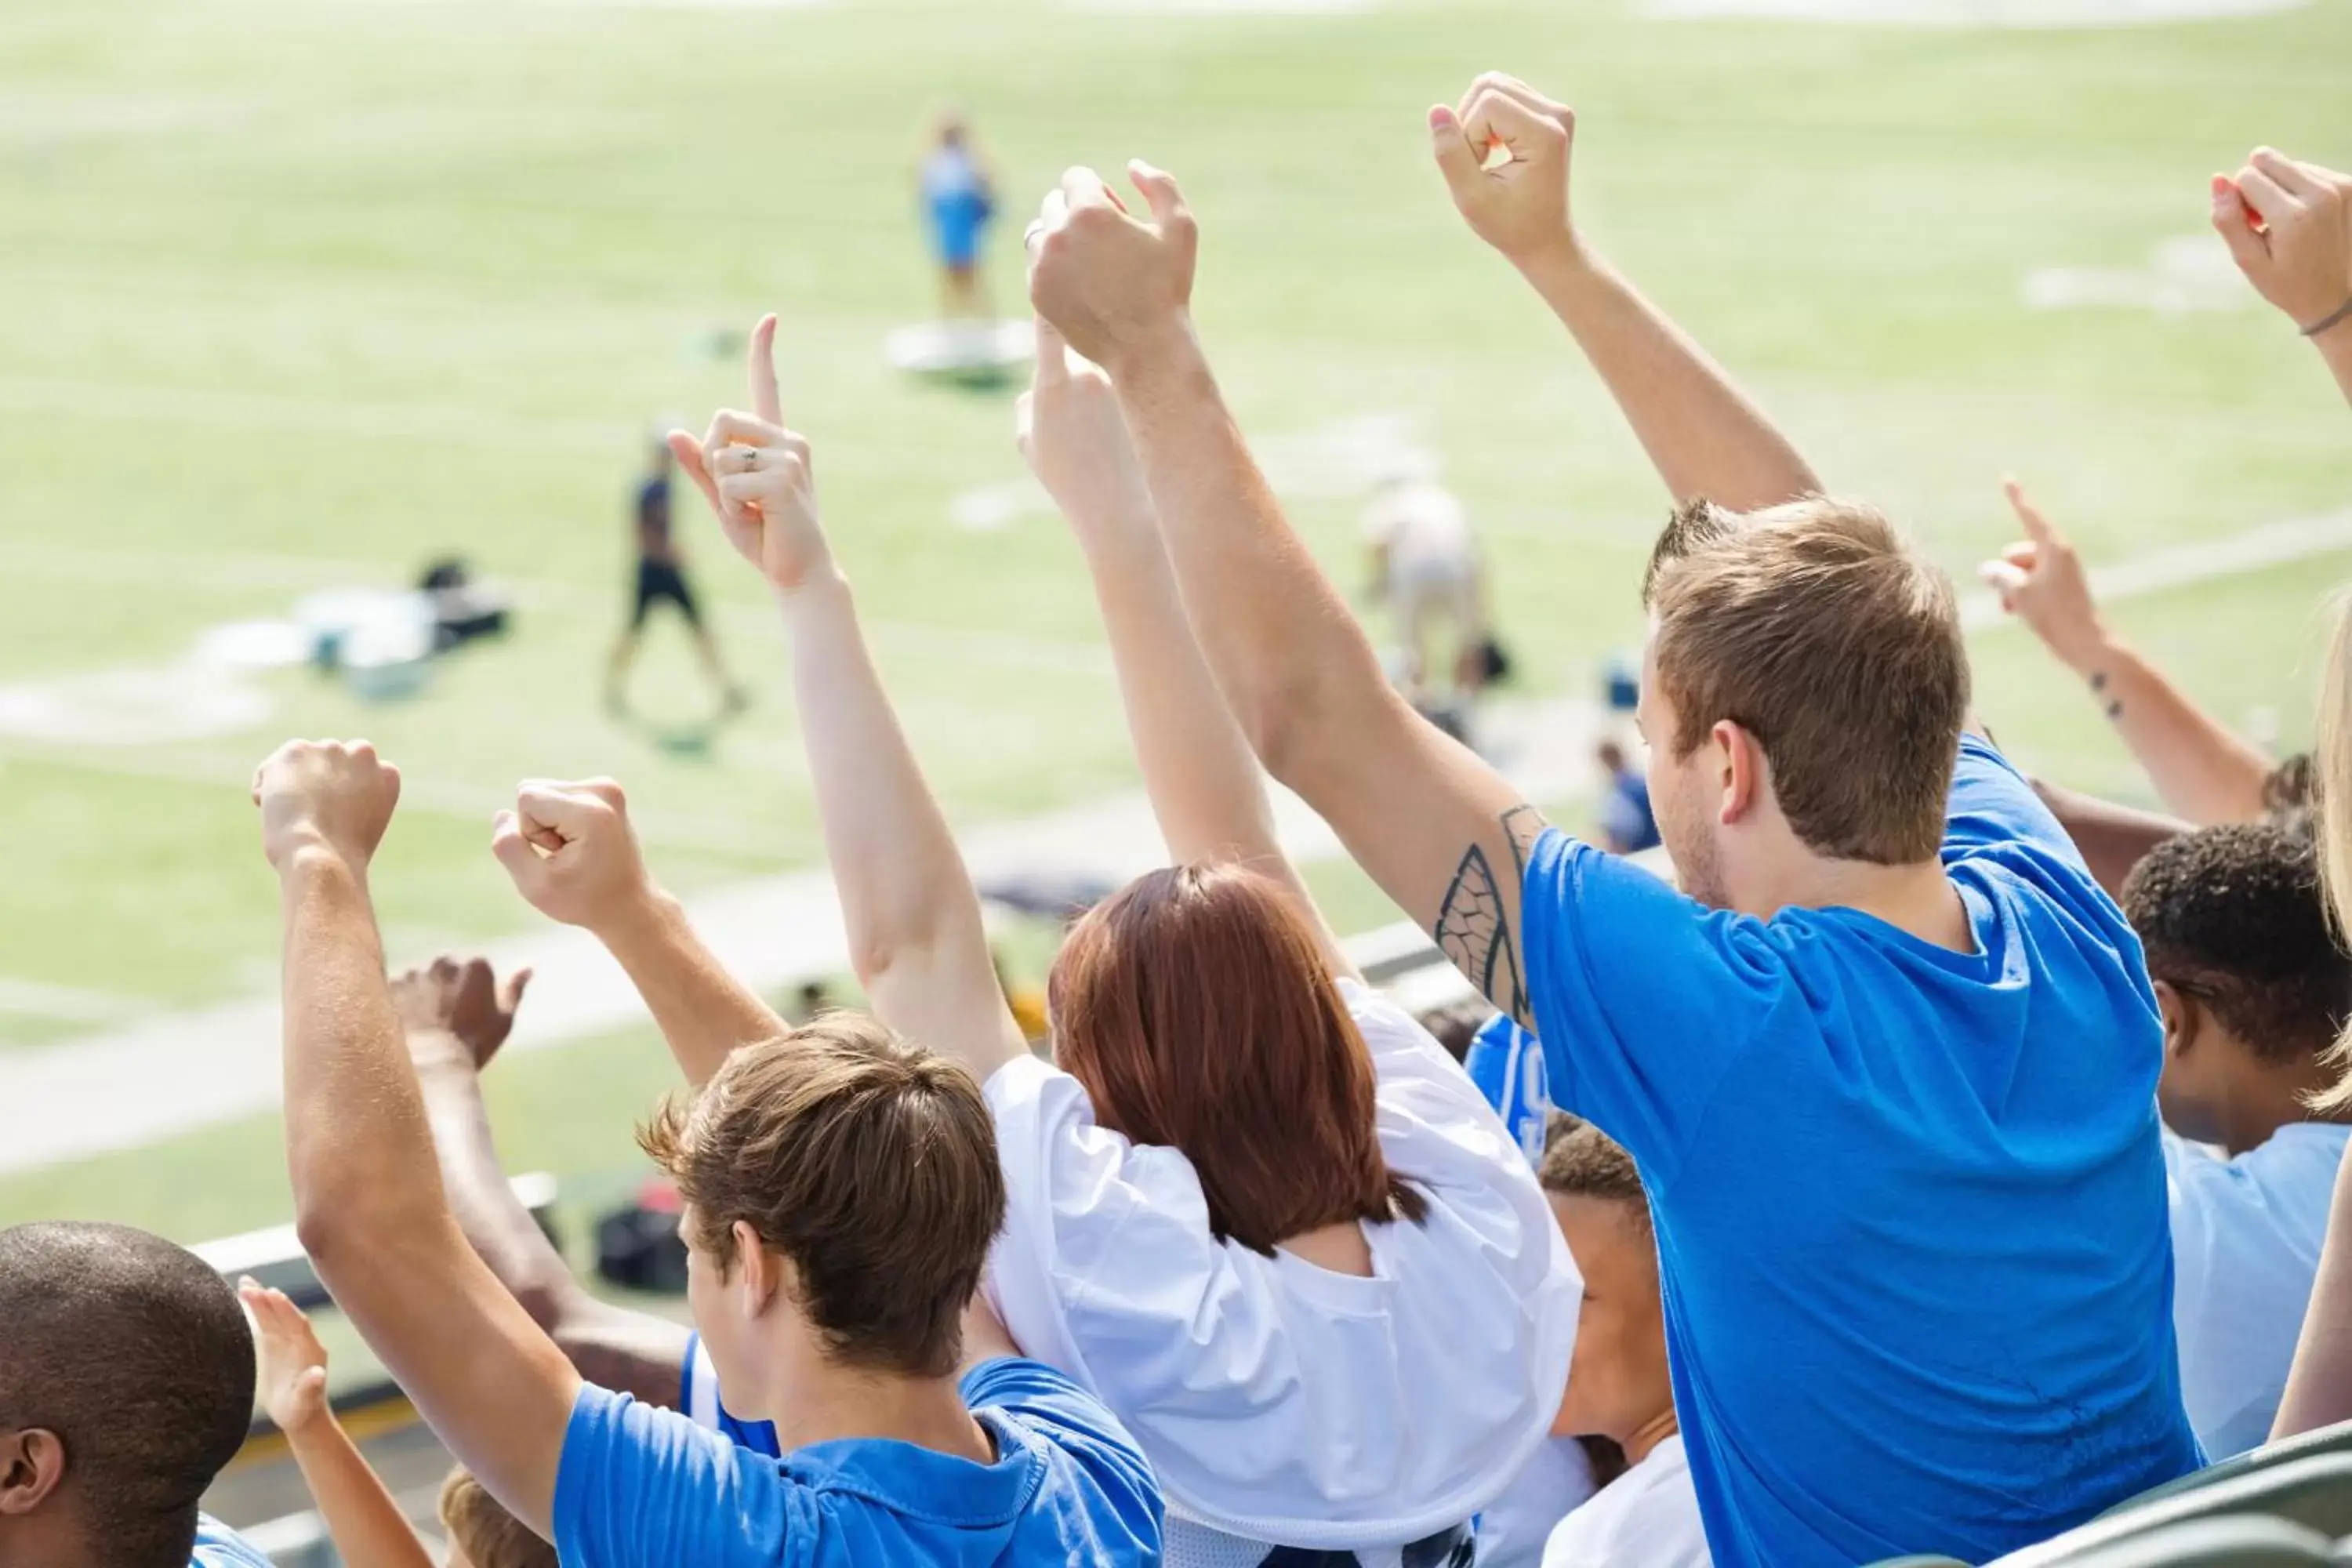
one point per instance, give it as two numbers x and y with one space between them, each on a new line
483 1532
1581 1161
1195 1006
867 1162
1810 625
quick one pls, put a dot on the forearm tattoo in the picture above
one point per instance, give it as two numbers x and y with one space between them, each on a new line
2115 705
1474 925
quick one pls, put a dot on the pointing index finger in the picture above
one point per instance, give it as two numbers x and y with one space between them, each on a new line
2037 527
767 398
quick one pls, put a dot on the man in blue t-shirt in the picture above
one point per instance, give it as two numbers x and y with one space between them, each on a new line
840 1192
1890 1084
126 1386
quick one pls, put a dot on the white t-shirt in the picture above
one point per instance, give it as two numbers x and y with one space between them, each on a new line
1646 1518
2246 1245
1512 1529
1427 533
1282 1403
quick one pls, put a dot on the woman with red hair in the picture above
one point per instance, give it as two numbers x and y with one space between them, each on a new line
1254 1208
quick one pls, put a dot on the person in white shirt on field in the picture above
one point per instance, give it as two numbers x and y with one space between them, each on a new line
1618 1386
2253 990
1427 569
1254 1208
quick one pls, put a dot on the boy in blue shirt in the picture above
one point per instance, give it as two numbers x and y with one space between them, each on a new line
842 1189
126 1385
1890 1085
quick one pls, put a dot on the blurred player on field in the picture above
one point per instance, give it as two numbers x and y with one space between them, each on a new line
958 199
1424 564
661 577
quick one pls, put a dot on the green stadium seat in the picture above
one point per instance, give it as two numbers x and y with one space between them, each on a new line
2313 1491
2326 1440
2251 1542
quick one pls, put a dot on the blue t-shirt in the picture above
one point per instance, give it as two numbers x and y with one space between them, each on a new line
218 1546
1507 1065
642 1486
1910 1202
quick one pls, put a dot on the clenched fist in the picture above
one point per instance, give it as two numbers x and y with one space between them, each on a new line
1505 156
458 1009
333 795
756 476
571 852
1112 284
1073 437
2300 257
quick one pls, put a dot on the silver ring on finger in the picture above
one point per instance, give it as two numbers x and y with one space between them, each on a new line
1032 234
747 461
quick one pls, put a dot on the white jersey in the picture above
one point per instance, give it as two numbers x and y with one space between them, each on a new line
1646 1518
1282 1404
1426 532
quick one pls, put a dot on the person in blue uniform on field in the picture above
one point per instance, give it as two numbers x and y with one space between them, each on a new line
959 200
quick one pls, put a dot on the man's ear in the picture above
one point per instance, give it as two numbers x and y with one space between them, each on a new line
759 1272
32 1464
2183 1018
1743 770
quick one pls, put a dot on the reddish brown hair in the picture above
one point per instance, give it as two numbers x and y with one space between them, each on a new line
1196 1009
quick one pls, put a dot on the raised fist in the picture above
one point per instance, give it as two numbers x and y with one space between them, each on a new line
449 1003
1074 438
1505 156
756 476
335 796
2300 256
1112 284
571 852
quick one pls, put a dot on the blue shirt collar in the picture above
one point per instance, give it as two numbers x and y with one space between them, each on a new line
922 1483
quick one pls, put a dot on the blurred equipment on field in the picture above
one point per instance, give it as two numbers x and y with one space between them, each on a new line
637 1244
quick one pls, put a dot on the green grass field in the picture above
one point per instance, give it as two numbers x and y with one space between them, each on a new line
303 293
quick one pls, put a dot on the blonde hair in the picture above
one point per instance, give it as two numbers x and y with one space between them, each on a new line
2332 771
1812 626
484 1532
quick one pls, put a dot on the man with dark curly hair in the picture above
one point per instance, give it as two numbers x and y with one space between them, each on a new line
2253 991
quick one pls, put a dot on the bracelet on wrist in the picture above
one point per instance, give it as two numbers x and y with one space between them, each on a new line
2341 314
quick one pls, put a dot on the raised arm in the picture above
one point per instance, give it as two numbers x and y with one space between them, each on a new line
1440 830
1505 156
362 1520
1205 785
367 1197
916 935
2300 259
457 1014
574 858
2203 770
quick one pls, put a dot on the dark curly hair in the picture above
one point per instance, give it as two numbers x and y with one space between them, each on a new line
2232 915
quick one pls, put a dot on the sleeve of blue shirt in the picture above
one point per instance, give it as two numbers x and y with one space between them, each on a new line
1642 997
1992 807
1082 1426
640 1485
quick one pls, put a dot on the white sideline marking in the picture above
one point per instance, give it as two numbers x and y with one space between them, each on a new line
2193 272
2038 15
31 999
